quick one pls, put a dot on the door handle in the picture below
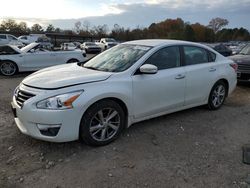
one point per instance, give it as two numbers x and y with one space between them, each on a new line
212 69
180 76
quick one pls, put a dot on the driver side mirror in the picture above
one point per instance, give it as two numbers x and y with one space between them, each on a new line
32 51
148 69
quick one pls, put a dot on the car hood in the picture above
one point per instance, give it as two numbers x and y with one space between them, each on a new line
61 76
241 58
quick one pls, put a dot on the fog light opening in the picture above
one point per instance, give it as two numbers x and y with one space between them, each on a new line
48 130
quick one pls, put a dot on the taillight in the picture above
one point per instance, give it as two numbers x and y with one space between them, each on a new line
234 66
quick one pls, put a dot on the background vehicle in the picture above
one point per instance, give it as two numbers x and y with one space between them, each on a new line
106 43
33 57
10 39
131 82
222 49
39 38
243 61
68 46
77 44
91 47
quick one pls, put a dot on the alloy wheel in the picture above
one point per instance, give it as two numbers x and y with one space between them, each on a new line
105 124
7 68
218 95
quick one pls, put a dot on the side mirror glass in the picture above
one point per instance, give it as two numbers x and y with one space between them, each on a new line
148 69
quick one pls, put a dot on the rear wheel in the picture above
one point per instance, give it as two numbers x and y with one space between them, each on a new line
102 123
8 68
217 95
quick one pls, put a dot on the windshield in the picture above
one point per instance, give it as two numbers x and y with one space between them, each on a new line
118 58
89 43
245 50
110 40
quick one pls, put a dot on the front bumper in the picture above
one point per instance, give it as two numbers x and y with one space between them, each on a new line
29 121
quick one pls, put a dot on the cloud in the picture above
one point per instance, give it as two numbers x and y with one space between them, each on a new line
144 12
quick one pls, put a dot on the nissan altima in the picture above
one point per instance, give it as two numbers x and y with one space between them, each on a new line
133 81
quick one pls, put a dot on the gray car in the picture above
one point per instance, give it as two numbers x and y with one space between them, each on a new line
243 61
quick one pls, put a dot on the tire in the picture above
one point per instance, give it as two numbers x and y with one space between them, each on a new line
72 61
96 129
217 95
8 68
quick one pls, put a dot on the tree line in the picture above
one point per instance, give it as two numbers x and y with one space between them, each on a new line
215 31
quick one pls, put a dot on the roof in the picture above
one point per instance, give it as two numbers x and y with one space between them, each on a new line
159 42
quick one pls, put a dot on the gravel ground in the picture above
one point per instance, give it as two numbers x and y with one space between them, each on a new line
191 148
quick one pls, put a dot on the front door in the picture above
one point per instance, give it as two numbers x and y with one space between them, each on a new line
163 91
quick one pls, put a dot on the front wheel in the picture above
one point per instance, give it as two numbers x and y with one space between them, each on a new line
8 68
102 123
217 95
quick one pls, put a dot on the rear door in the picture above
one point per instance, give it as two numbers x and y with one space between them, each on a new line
201 71
163 91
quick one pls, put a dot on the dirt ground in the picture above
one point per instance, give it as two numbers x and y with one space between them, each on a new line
192 148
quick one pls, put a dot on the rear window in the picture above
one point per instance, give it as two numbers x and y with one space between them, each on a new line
211 56
195 55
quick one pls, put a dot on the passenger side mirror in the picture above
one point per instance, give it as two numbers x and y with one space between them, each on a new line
148 69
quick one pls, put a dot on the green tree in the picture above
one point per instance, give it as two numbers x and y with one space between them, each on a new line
9 25
189 34
36 28
50 28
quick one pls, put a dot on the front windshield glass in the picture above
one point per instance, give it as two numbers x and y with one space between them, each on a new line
118 58
89 43
245 50
70 44
110 40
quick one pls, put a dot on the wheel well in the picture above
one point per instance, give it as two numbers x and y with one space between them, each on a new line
72 60
226 83
118 101
10 61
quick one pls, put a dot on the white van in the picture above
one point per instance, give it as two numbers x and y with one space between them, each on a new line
10 39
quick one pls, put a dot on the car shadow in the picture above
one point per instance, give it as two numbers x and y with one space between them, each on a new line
18 75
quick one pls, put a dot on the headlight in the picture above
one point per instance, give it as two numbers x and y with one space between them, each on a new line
59 102
16 91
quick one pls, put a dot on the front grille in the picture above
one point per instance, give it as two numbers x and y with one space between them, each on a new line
244 67
244 76
22 96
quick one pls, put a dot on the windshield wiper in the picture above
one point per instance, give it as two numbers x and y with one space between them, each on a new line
92 68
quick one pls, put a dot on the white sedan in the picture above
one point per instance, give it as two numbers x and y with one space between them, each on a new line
128 83
32 57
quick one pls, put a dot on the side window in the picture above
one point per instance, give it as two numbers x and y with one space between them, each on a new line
212 56
165 58
6 50
195 55
11 37
24 38
2 36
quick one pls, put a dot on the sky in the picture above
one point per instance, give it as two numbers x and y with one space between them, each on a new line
126 13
